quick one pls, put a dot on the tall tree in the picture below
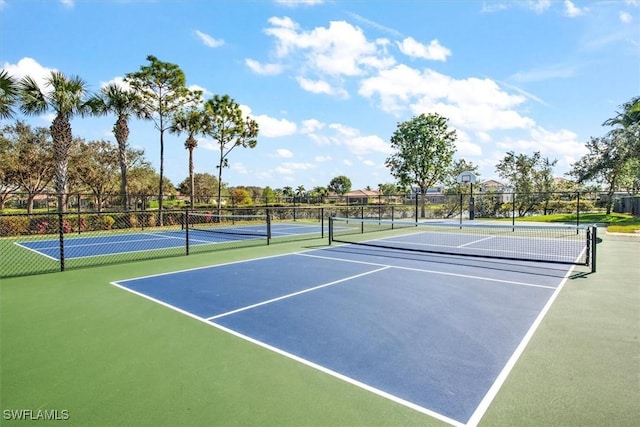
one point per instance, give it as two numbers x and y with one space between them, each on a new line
193 121
161 89
605 162
340 185
30 158
66 97
531 176
202 185
424 149
96 165
230 130
9 91
629 115
116 99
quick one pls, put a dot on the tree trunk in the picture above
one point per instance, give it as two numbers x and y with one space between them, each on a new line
160 187
121 132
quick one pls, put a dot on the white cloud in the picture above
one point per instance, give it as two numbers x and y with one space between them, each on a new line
207 40
263 69
321 87
347 163
571 10
472 103
625 17
538 6
324 56
205 92
28 67
434 51
289 168
67 3
556 71
355 142
294 3
271 127
239 167
284 153
321 159
562 145
311 125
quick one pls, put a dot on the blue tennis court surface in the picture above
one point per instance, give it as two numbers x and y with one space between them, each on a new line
113 244
435 333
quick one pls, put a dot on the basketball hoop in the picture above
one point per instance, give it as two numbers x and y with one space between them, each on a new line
466 177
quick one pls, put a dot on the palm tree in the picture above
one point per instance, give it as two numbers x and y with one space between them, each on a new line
123 102
629 116
300 191
192 121
9 91
66 97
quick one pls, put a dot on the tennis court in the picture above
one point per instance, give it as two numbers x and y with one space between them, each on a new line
437 333
122 243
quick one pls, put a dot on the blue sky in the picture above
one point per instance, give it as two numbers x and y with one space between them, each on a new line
328 80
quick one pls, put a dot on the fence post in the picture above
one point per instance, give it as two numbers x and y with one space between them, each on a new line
61 239
186 229
578 209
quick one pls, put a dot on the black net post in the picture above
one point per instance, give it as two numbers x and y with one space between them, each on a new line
461 213
593 231
268 227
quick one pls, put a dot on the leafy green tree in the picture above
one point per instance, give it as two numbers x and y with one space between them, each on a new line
530 176
424 149
9 94
8 166
605 162
96 165
205 186
340 185
66 97
116 99
269 195
193 121
29 157
240 196
160 88
230 130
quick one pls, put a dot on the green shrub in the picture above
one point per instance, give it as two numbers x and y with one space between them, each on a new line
14 225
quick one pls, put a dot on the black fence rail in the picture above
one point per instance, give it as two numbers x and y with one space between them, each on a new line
49 242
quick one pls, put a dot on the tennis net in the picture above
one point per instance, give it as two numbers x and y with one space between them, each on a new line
552 244
249 226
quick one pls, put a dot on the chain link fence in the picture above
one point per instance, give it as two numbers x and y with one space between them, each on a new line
41 239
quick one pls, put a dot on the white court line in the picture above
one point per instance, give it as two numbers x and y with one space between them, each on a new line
304 291
442 273
475 241
38 252
482 408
